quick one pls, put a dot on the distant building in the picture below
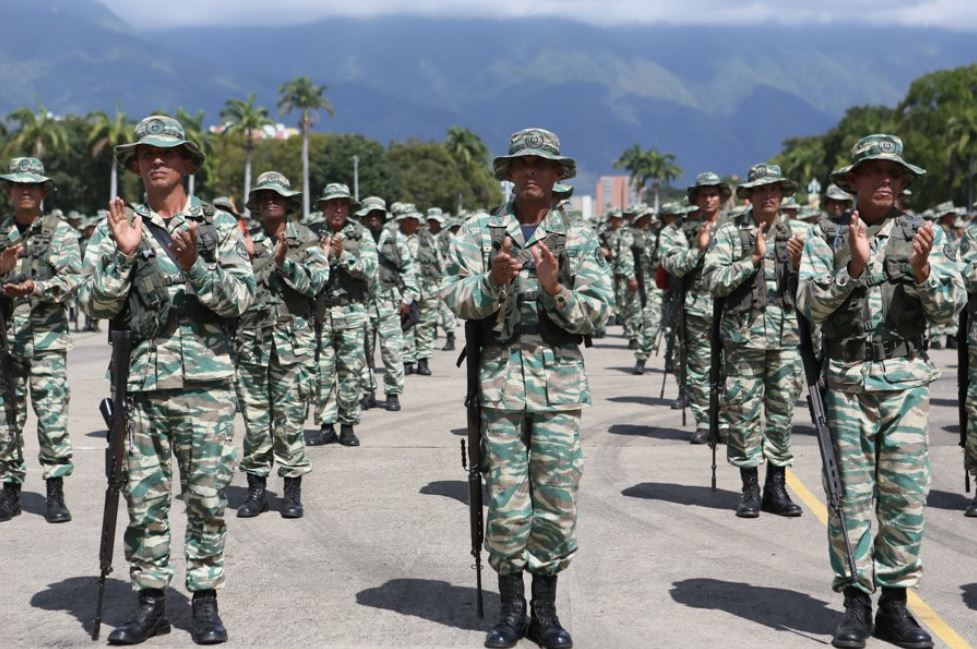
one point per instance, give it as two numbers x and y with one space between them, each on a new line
270 132
614 193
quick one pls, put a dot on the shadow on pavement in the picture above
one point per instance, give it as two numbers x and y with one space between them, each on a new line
776 608
34 503
949 403
76 596
432 600
646 401
101 432
654 432
970 596
454 489
681 494
459 431
947 500
630 370
952 428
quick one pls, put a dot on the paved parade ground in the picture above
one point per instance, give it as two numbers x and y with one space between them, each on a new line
381 557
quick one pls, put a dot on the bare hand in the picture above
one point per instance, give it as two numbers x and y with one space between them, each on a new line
336 245
760 247
919 257
606 252
184 246
127 235
858 242
547 268
281 249
794 249
705 235
505 267
21 289
325 245
9 257
632 285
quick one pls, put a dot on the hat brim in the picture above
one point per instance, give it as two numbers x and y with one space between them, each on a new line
362 214
725 191
126 153
323 199
840 176
252 204
788 187
26 178
500 164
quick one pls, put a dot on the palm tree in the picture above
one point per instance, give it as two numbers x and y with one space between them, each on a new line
243 118
106 134
300 94
193 126
38 134
640 166
465 147
961 135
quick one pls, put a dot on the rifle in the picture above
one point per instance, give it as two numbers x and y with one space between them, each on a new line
369 343
715 354
7 367
115 412
668 307
683 350
636 252
471 460
829 462
963 383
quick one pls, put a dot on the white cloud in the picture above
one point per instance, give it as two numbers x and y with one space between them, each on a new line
951 14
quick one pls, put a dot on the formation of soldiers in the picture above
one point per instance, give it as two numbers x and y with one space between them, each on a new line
283 316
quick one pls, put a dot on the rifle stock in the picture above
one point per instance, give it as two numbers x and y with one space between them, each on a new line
715 375
963 383
471 458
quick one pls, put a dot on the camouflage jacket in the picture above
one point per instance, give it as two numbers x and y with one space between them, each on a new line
40 321
279 320
619 243
967 256
359 262
193 351
727 266
396 282
679 255
529 374
824 285
428 262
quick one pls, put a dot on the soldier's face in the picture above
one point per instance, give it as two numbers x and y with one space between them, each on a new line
162 168
533 177
336 211
410 226
835 208
877 184
708 199
433 226
26 196
272 205
766 200
374 220
615 222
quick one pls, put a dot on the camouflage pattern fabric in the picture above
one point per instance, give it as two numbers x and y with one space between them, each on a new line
445 317
429 267
968 269
621 261
878 412
651 314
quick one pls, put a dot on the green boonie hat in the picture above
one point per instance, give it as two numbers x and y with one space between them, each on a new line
563 192
928 215
808 212
947 207
435 214
402 208
789 204
765 174
537 142
227 204
643 211
159 131
26 171
336 190
672 208
836 193
410 214
614 214
875 147
74 215
709 179
372 204
271 181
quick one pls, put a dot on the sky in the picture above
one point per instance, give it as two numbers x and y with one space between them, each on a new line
951 14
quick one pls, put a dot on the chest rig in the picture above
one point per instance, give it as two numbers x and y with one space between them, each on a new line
751 295
37 249
390 262
275 300
427 255
343 289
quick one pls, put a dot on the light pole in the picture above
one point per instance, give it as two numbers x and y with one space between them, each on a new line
356 178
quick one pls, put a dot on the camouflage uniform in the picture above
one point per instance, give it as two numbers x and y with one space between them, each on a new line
651 314
180 380
621 260
631 307
445 316
877 377
968 268
429 269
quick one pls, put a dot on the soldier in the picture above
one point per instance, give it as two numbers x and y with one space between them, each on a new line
419 339
968 268
275 341
645 235
750 265
392 291
172 271
615 244
948 219
874 280
532 379
40 270
353 264
632 307
436 222
682 253
836 201
88 229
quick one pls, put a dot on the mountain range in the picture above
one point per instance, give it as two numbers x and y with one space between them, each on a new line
718 97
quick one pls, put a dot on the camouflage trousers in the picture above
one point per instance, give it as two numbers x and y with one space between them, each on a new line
759 384
197 426
882 443
697 369
446 317
46 375
628 307
651 323
970 448
419 339
341 361
274 400
535 462
384 331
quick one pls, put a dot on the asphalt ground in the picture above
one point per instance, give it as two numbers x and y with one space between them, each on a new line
381 557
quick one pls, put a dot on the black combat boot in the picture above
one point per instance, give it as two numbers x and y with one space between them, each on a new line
54 508
422 367
408 368
749 506
347 437
775 498
894 623
971 511
700 436
9 501
257 500
856 626
149 619
207 627
449 342
292 507
639 367
544 626
951 342
681 402
512 617
723 434
369 400
633 344
325 435
393 403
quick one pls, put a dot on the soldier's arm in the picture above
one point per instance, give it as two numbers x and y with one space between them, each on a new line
228 288
677 256
821 289
723 270
584 307
968 259
467 288
66 260
105 277
308 277
363 264
411 292
943 293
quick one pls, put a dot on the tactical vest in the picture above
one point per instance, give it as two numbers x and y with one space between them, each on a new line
638 248
390 263
691 231
275 299
37 249
751 295
343 289
427 256
149 310
903 315
506 327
